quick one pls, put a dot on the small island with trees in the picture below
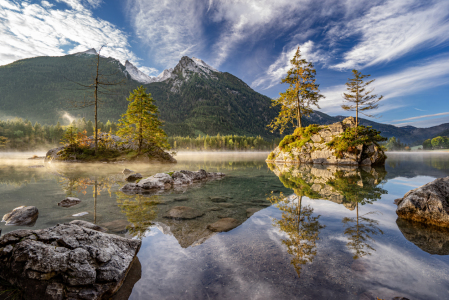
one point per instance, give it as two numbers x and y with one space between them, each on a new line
343 143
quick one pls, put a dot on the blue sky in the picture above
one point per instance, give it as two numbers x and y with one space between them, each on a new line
403 44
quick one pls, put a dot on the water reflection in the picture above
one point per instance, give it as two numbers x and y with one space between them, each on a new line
431 239
302 229
344 185
359 231
140 212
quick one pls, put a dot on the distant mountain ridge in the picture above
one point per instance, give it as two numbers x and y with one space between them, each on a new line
193 97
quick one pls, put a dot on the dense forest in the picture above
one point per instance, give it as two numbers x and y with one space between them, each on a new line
22 135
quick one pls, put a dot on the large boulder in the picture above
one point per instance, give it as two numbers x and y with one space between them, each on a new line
316 150
152 153
66 261
22 216
166 181
427 204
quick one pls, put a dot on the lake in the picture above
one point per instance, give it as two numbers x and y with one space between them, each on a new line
306 232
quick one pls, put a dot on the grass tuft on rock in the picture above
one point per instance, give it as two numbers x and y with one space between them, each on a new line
299 138
353 137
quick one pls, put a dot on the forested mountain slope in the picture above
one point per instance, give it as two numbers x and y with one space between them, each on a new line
193 98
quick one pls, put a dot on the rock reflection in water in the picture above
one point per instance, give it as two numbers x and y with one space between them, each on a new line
301 226
431 239
347 185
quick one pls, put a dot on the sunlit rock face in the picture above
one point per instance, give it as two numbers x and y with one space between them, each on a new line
427 204
429 238
345 185
66 261
316 150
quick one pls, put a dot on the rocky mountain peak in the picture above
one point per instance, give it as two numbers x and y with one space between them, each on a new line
195 65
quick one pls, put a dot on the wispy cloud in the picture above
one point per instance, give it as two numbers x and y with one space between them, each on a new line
421 117
170 29
405 82
392 29
279 68
420 109
29 30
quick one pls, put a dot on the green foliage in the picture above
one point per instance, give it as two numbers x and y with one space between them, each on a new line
353 137
427 144
299 97
140 124
359 95
394 144
299 138
440 142
358 189
271 156
222 142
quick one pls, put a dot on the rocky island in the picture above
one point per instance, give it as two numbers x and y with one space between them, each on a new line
337 143
112 149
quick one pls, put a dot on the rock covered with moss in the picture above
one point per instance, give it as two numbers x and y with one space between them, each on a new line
340 143
111 148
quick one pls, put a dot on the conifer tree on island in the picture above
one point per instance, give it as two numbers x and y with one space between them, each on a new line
140 124
302 93
359 97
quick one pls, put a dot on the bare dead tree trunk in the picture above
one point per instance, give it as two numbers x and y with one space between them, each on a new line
96 104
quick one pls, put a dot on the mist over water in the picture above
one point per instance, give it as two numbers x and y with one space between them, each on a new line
306 232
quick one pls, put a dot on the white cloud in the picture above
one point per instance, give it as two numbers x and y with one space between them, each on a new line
392 29
279 68
170 29
421 117
30 30
247 20
406 82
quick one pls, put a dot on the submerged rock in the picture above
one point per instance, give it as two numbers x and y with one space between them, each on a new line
164 181
127 171
22 216
133 177
251 211
183 212
66 261
89 225
429 238
69 202
223 225
427 204
316 151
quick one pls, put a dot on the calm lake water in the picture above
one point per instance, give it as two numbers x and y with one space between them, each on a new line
306 232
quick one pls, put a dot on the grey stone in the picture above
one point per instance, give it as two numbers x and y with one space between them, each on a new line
66 261
183 213
133 177
69 201
127 171
164 181
22 216
89 225
223 225
427 204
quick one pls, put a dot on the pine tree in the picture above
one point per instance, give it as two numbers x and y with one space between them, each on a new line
140 124
302 93
359 97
